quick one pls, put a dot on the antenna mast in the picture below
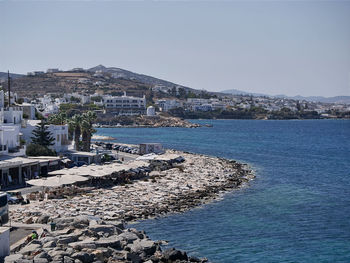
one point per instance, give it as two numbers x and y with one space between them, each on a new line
9 87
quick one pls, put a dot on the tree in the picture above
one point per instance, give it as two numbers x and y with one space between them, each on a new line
58 119
173 91
42 136
38 115
75 99
96 98
74 125
88 119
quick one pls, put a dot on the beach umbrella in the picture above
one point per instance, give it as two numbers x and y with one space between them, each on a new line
49 182
58 172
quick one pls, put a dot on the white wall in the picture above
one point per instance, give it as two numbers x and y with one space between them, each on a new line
4 241
2 99
13 115
9 136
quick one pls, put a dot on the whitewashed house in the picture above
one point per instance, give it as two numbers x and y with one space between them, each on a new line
10 140
166 105
59 133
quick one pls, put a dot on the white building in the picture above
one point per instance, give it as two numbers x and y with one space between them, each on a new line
218 105
151 111
29 110
197 101
202 107
12 115
35 73
50 109
10 140
125 105
166 105
83 98
58 132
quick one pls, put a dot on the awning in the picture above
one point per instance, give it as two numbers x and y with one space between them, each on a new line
56 181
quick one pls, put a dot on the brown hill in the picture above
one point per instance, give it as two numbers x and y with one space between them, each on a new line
83 82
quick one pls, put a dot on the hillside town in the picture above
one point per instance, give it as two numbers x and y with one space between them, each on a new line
115 96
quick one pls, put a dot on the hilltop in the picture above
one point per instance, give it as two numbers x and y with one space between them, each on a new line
108 80
126 74
100 78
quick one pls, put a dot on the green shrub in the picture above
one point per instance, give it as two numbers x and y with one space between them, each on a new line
39 150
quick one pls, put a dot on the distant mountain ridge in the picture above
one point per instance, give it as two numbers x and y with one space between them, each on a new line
122 73
336 99
3 75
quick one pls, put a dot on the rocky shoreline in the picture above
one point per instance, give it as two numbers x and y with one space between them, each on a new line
158 121
167 189
84 240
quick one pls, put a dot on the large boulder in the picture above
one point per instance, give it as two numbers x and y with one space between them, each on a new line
148 247
103 230
81 222
83 244
129 237
83 256
49 244
112 241
42 255
13 258
64 222
57 253
65 239
43 219
67 260
119 224
30 248
134 257
172 255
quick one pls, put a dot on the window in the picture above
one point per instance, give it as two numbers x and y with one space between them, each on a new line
58 138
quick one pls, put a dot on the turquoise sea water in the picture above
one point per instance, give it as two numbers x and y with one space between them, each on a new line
297 209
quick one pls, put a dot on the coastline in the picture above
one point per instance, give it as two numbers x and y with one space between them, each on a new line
175 189
166 190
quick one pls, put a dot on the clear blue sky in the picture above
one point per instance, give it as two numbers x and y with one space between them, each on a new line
268 47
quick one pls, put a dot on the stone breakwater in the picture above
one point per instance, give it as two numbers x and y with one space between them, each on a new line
82 240
196 181
166 189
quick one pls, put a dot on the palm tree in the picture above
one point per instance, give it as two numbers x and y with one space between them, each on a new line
58 119
74 124
87 129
